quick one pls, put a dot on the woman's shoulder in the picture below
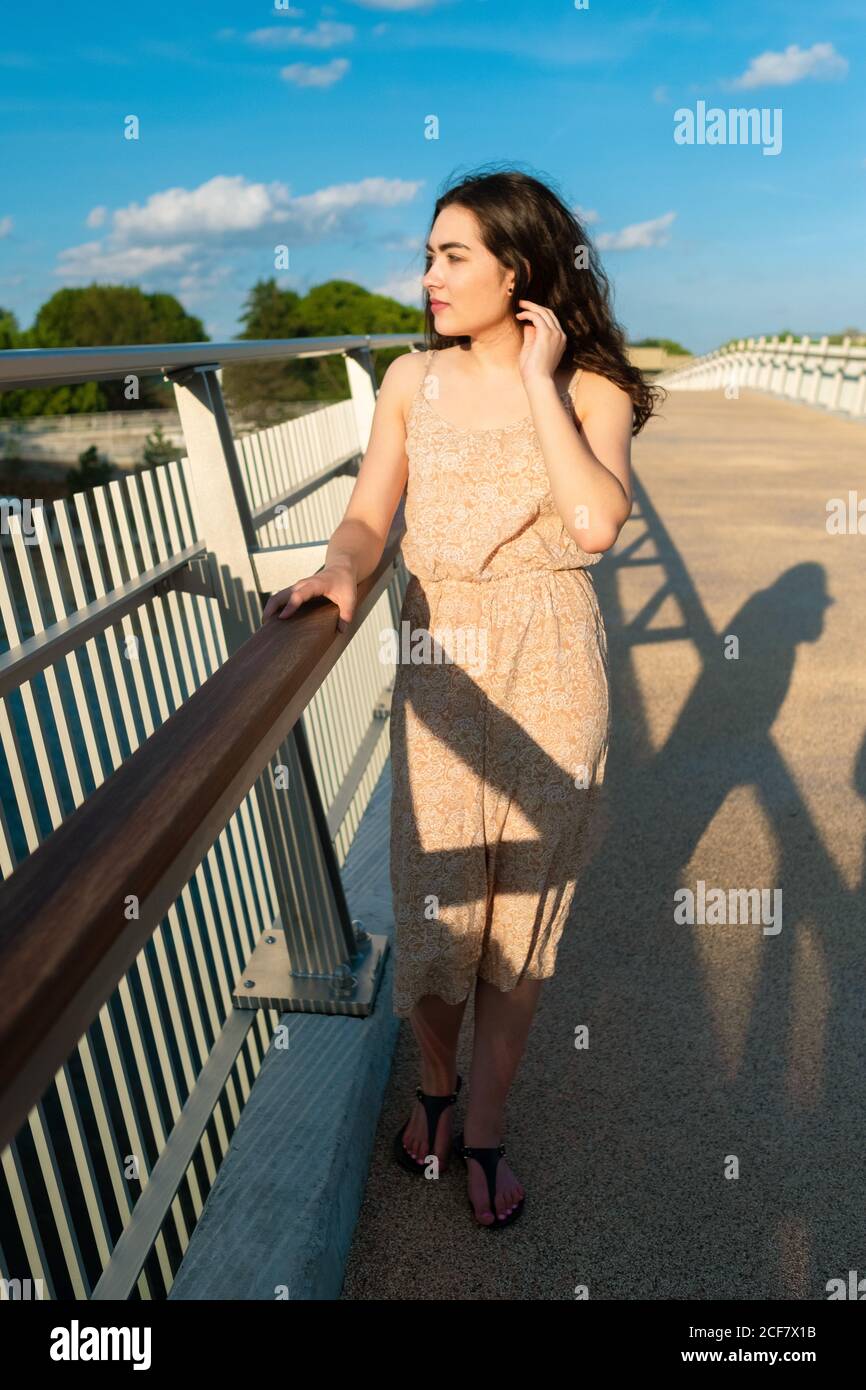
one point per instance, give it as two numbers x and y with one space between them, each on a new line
409 365
404 376
592 390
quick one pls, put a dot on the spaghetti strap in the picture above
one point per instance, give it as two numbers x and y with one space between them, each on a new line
429 356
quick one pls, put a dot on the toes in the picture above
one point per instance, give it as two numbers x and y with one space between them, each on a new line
508 1200
504 1202
480 1198
412 1145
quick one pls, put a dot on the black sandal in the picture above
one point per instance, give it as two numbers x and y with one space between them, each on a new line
489 1160
433 1107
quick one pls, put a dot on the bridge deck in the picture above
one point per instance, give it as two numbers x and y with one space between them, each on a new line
705 1040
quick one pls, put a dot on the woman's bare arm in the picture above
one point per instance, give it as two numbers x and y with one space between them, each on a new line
356 546
360 538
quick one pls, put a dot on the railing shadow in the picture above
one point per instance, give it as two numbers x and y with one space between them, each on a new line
723 1040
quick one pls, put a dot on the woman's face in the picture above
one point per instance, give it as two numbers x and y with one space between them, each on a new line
469 283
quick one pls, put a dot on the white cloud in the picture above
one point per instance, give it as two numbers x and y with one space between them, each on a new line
5 226
93 258
588 216
96 216
781 69
326 34
201 283
227 204
305 75
406 289
322 212
224 204
637 236
172 232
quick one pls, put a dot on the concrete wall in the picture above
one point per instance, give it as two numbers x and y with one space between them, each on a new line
119 435
654 359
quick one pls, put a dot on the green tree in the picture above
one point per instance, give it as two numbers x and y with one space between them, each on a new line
332 309
675 349
157 449
52 400
8 330
100 316
92 471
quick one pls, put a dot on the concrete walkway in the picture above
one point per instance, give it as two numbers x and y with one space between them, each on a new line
707 1043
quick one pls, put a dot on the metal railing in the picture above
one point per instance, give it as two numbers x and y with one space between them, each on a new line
178 790
814 371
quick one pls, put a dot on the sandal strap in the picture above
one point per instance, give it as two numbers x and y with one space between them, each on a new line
433 1107
488 1157
449 1097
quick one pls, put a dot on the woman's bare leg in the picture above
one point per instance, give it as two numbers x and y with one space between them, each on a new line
502 1022
436 1026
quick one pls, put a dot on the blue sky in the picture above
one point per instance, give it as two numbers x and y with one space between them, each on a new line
263 125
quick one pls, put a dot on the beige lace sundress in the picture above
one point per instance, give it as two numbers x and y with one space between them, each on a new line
500 712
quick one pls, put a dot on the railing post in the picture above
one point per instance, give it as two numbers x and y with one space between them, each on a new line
362 384
820 354
308 772
839 376
222 509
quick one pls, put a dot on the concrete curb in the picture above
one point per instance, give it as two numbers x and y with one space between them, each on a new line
280 1218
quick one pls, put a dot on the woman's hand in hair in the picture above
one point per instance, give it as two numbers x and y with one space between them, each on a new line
543 342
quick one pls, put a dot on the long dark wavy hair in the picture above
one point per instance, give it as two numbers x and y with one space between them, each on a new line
528 228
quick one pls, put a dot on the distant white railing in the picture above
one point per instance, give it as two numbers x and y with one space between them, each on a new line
811 370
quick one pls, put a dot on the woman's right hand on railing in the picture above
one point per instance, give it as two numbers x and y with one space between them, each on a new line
336 582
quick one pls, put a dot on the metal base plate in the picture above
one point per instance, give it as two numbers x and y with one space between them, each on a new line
268 983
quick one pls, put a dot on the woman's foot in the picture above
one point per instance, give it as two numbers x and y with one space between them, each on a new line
416 1138
508 1190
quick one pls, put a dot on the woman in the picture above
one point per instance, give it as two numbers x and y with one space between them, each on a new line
518 480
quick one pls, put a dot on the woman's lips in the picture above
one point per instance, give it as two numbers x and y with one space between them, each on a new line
436 304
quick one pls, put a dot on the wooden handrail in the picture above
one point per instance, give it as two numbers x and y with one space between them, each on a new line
65 940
